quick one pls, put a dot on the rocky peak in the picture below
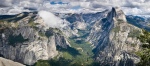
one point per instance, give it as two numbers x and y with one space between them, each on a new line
116 13
120 14
116 40
111 14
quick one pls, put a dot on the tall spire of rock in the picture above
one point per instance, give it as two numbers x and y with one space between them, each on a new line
116 13
120 14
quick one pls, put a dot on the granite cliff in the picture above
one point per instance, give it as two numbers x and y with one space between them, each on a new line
25 38
118 42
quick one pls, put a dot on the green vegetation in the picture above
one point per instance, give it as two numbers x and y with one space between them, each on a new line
59 62
32 24
134 33
83 33
120 21
133 45
5 24
49 32
16 39
145 37
116 29
79 54
145 52
145 57
41 34
85 50
42 63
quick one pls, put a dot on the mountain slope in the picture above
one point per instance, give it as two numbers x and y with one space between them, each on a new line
114 40
139 21
119 42
26 38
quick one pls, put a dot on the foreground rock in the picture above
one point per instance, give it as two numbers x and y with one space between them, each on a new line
6 62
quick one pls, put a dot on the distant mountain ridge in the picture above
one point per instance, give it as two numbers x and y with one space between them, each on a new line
139 21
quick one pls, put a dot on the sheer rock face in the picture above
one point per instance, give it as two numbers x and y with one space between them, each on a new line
113 39
118 41
6 62
28 41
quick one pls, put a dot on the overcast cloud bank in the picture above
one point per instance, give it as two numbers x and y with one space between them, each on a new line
130 7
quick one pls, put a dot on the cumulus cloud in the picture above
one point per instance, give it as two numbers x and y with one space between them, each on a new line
5 3
134 7
51 20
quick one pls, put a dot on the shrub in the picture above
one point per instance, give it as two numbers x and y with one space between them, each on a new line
145 52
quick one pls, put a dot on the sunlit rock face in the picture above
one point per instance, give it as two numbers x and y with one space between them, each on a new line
113 39
6 62
25 38
118 42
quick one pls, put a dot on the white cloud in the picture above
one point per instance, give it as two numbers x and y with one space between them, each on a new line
135 7
51 20
5 3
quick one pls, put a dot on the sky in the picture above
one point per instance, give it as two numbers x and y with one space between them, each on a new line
130 7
